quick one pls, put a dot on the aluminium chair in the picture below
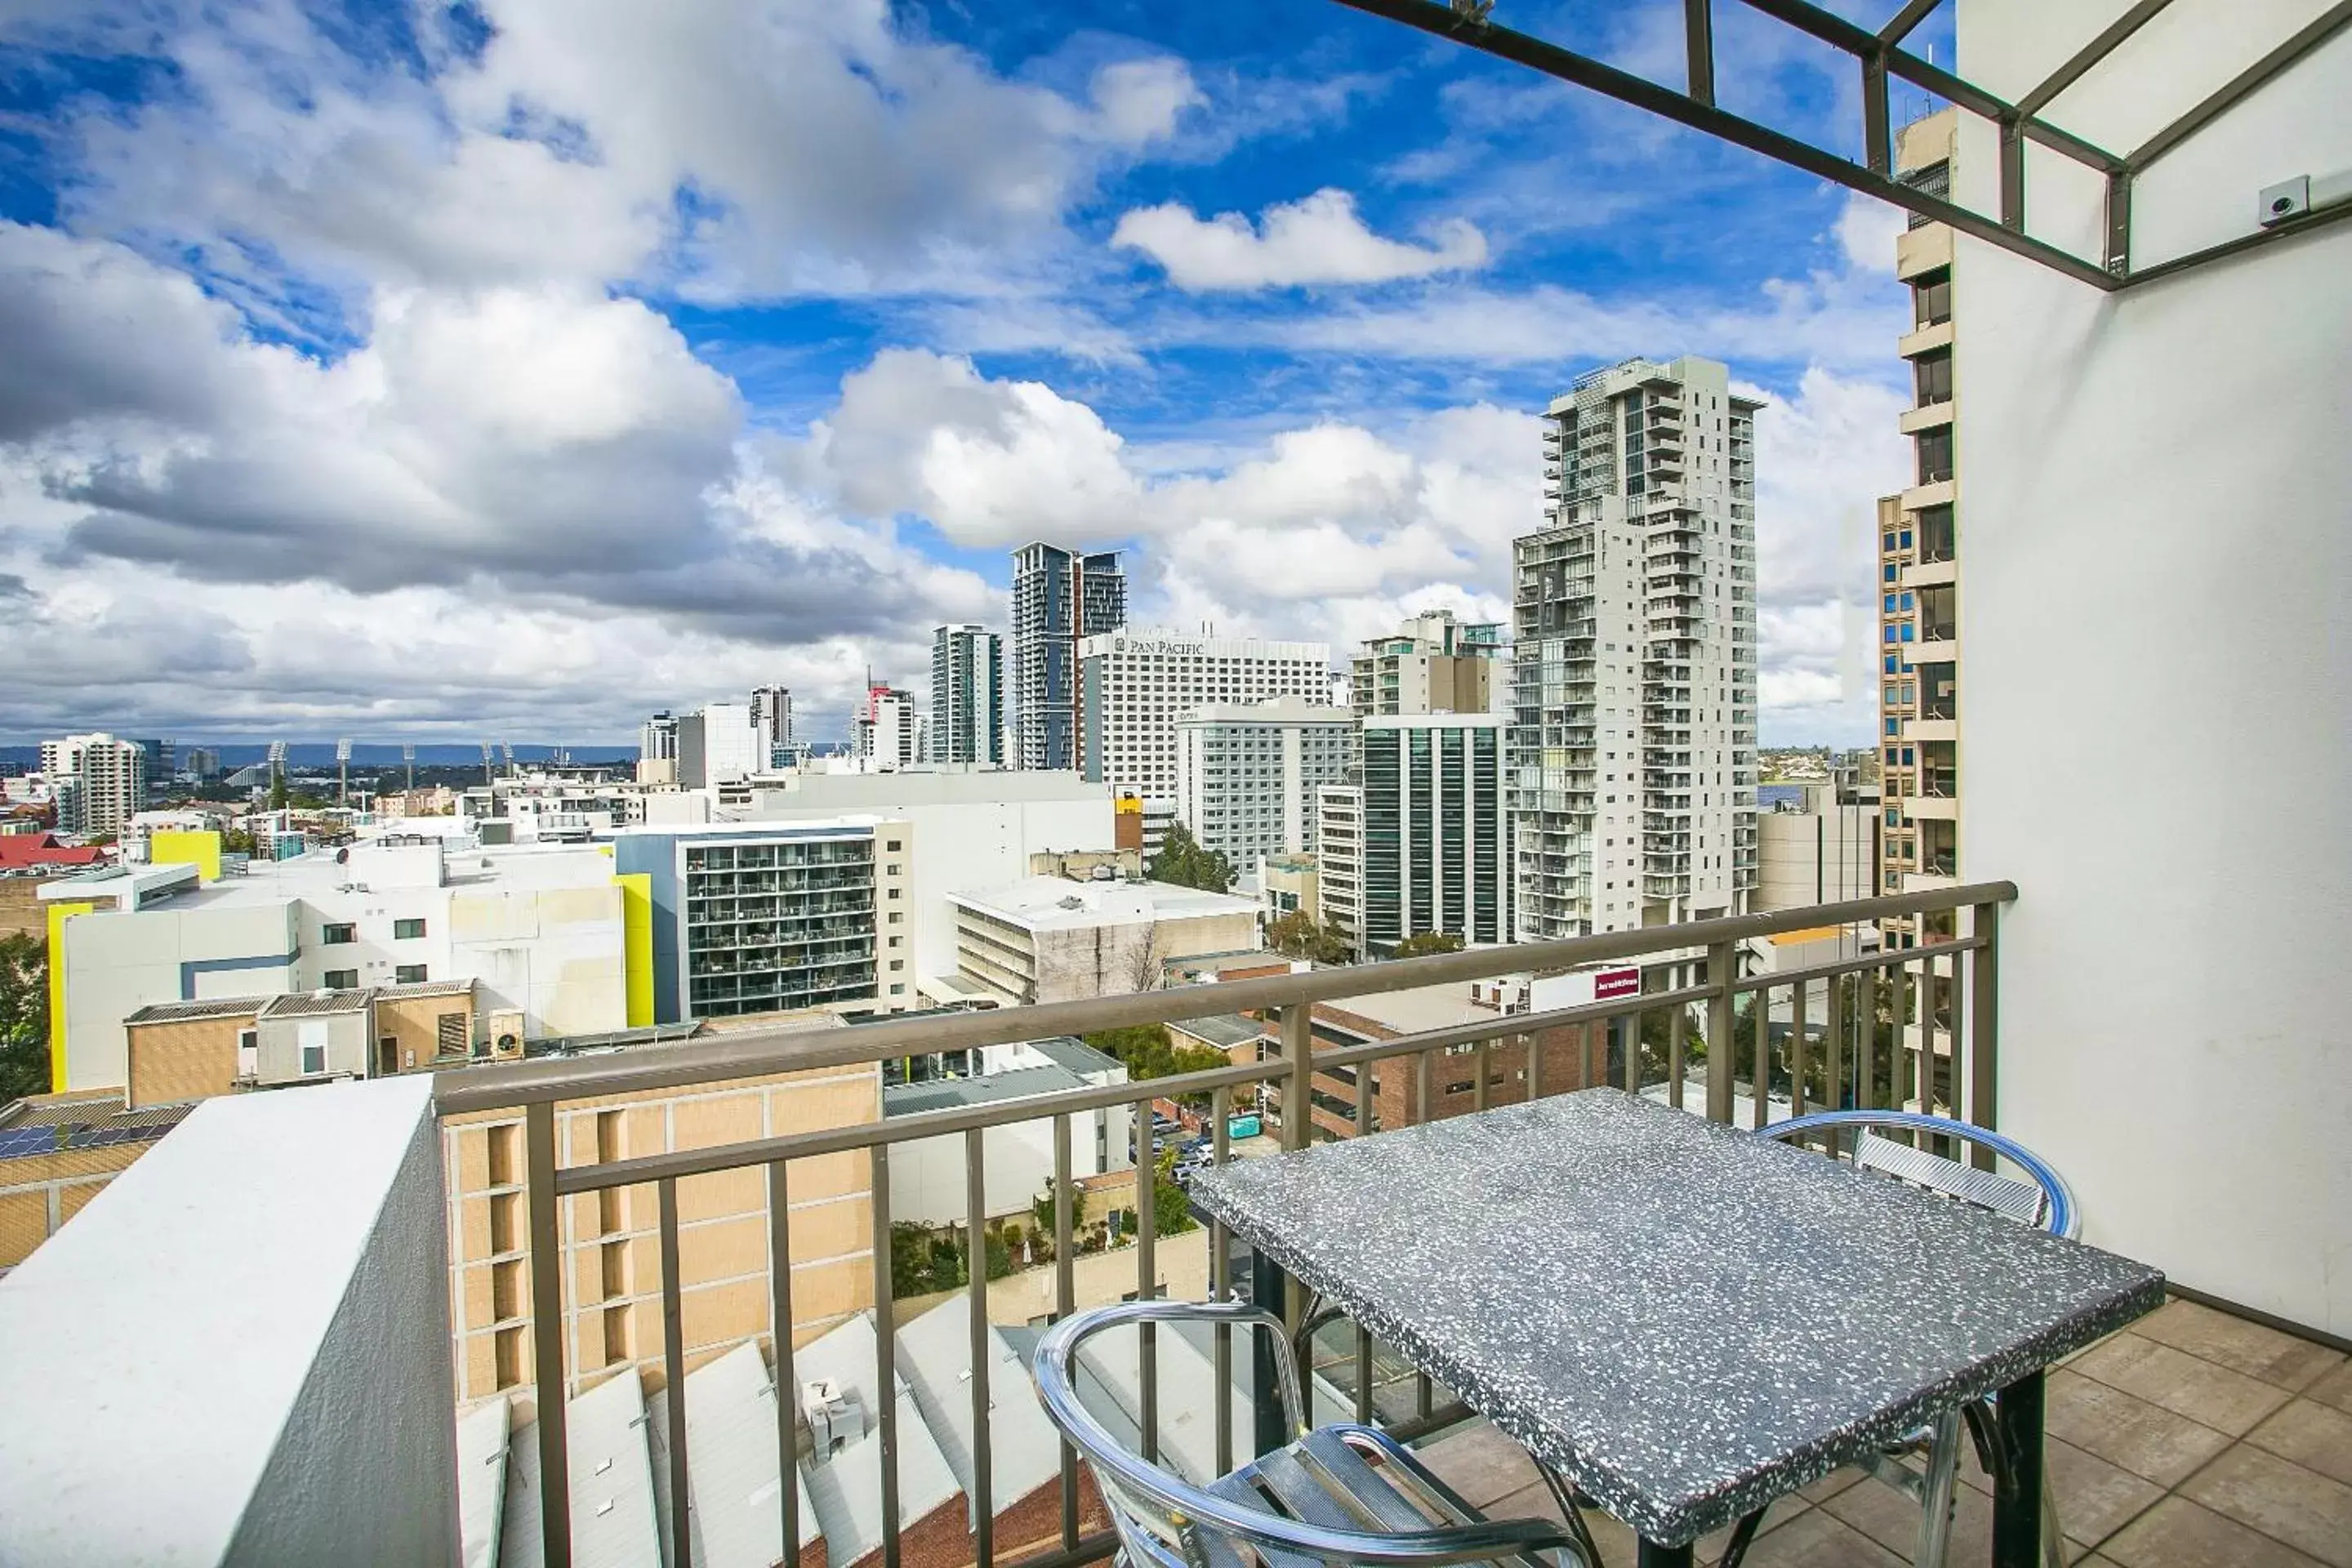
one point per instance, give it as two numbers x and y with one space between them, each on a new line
2041 1199
1339 1494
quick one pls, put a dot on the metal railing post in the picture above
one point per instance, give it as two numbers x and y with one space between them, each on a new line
1984 981
1720 1054
1298 1079
547 1335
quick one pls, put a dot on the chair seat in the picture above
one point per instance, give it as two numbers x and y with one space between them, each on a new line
1344 1477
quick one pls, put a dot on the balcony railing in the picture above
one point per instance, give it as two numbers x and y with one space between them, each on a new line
1750 1047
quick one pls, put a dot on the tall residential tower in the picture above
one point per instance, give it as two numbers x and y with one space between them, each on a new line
967 695
1919 572
1633 734
1059 596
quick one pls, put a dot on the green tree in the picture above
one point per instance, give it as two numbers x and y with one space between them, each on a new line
1294 935
924 1261
24 1017
1146 1051
1422 944
1184 863
1171 1213
1041 1209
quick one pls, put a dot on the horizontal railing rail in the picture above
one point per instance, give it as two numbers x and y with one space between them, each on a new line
1875 1041
746 1052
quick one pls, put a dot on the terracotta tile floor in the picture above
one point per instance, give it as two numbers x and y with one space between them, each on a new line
2192 1439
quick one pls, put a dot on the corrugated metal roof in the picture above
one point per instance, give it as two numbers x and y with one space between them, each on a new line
425 988
312 1004
481 1481
1222 1030
612 1520
657 1455
846 1489
1071 1052
948 1093
935 1357
209 1008
731 1456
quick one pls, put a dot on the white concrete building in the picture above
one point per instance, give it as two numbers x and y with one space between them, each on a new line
112 776
926 1175
1136 682
1433 663
889 730
717 744
538 930
2163 472
1823 852
771 715
970 827
1634 738
1247 774
1044 939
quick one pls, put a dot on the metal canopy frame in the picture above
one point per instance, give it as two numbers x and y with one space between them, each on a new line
1880 56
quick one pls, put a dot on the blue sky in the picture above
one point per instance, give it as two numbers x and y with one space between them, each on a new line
517 367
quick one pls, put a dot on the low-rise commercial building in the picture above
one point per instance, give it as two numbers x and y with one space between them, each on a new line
926 1175
538 933
768 917
1045 939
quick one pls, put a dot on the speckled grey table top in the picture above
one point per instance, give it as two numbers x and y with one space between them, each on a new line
1685 1319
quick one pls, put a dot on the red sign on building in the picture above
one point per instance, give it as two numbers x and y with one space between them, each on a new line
1610 983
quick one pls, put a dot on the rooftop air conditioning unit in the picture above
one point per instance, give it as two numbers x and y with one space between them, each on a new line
506 1035
835 1417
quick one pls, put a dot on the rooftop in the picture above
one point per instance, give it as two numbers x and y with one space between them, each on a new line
1052 903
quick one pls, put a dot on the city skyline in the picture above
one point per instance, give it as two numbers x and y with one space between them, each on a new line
1272 311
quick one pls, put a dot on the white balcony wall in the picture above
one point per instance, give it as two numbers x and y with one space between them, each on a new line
2167 472
239 1351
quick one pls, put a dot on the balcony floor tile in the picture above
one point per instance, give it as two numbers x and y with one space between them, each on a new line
2178 1533
2313 1436
2277 1358
2181 1383
2281 1499
2122 1430
2335 1389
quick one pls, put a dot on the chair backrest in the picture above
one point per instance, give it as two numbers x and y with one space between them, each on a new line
1167 1522
2040 1198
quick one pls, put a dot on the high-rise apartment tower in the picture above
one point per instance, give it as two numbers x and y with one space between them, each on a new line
1059 596
1919 569
1634 733
112 776
967 695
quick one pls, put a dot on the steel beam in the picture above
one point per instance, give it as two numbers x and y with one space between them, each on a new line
2317 31
1910 16
2090 54
1699 35
1585 71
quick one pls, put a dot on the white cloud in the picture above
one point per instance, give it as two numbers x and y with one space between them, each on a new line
1319 239
1867 229
600 140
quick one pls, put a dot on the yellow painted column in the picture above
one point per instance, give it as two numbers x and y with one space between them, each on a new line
637 943
58 914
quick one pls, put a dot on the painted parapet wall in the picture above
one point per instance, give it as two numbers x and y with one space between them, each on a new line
2154 694
243 1349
